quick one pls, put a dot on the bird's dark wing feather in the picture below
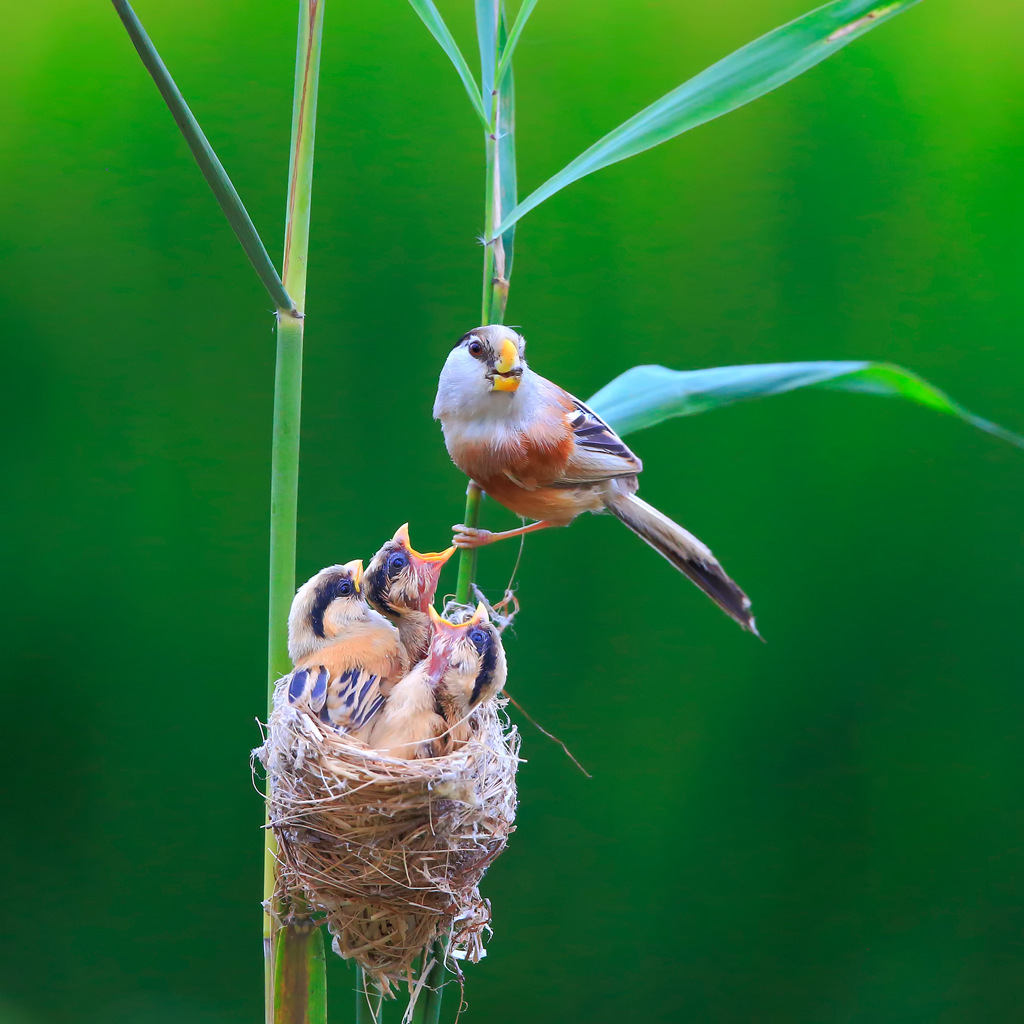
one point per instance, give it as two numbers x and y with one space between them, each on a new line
599 453
353 699
347 702
308 686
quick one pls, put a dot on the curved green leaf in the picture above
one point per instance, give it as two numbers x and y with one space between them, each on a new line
431 17
487 17
750 72
646 395
525 10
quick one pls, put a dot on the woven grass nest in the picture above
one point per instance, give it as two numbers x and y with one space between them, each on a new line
391 851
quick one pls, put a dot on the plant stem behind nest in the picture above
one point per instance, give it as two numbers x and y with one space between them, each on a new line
291 1003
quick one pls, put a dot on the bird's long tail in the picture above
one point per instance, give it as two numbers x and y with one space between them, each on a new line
685 552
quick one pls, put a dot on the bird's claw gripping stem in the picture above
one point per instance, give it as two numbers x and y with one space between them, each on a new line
470 537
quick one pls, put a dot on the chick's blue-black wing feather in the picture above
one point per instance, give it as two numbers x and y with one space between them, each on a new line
353 699
347 703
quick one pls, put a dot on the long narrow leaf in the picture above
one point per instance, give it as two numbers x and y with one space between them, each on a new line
750 72
505 123
509 48
213 170
646 395
487 16
431 17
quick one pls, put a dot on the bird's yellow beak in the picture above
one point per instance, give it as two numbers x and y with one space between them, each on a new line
355 567
505 376
480 615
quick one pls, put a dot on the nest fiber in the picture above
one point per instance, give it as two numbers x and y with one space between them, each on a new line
391 851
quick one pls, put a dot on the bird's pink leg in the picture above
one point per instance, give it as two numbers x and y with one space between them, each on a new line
470 537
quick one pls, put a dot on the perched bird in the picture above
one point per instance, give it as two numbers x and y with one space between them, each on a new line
347 656
427 713
543 454
400 583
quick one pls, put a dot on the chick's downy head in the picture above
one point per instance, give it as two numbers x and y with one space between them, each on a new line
467 660
401 579
324 606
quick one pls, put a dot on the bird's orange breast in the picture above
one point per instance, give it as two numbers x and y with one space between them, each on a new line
557 505
380 655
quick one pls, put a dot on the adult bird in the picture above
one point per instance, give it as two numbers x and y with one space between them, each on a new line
542 453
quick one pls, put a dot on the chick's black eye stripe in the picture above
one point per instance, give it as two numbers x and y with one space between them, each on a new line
486 673
324 596
377 584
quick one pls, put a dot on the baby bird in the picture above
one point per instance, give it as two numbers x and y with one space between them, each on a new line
400 584
543 454
347 656
427 713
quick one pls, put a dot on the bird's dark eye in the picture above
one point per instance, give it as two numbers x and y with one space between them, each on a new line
479 639
475 348
396 562
344 588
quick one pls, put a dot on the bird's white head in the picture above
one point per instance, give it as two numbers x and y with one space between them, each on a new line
466 662
485 367
324 606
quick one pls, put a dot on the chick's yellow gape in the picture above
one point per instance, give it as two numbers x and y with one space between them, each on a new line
543 454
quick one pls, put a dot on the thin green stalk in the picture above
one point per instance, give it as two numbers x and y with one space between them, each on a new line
499 196
290 1004
368 1000
428 1010
499 185
467 563
300 977
213 170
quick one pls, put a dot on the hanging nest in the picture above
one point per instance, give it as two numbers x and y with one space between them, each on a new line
391 851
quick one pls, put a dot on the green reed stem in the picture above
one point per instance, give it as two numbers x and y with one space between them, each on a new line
467 559
499 197
291 1004
368 1000
300 978
428 1010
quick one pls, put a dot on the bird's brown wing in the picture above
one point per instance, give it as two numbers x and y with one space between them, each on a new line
598 452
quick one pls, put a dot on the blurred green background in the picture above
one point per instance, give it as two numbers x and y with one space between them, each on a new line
828 827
